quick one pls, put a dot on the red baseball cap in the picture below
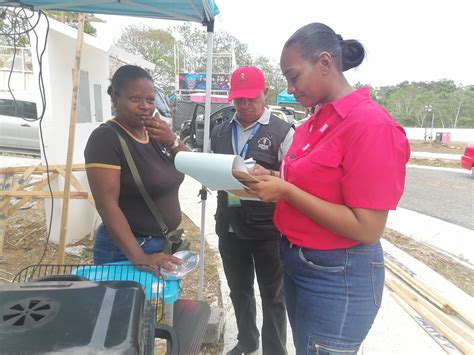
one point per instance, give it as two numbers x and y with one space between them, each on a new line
246 82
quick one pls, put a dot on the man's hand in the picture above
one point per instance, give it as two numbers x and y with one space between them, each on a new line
259 170
159 130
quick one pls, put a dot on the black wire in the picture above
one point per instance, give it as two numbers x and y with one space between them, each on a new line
43 98
14 35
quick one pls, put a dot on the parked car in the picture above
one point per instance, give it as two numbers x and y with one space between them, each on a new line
467 160
163 107
191 131
18 128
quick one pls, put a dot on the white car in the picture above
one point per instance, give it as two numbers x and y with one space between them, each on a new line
18 128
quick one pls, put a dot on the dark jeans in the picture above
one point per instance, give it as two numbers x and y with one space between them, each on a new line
242 259
332 296
105 250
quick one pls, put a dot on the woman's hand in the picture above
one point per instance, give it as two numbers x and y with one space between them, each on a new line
159 130
159 260
269 188
259 170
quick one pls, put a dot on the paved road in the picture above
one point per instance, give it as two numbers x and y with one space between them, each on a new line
446 195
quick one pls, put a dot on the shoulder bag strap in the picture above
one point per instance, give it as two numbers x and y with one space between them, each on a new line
170 237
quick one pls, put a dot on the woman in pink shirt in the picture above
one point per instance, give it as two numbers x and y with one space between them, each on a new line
344 171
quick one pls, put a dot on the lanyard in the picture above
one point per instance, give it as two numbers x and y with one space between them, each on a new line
245 148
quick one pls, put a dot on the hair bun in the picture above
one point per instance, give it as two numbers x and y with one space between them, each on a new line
353 54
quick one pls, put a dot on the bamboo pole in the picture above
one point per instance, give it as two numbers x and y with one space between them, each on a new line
11 188
5 208
6 181
77 185
40 169
423 289
71 139
44 194
432 295
444 343
438 320
37 186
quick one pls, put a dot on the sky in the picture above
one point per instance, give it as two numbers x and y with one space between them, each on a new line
405 40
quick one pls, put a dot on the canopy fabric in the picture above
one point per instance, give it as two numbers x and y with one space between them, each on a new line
284 97
202 11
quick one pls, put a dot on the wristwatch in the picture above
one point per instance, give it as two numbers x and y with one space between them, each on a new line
175 143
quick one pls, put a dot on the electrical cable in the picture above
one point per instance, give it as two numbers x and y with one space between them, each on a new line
19 18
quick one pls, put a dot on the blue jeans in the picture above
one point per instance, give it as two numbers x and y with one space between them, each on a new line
332 296
105 250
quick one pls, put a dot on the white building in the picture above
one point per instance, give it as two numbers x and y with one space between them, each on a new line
94 107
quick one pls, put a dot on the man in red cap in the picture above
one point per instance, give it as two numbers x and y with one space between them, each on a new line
248 239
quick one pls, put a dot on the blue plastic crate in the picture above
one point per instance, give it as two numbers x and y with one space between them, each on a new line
125 271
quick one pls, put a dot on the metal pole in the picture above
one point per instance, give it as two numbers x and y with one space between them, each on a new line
206 146
432 124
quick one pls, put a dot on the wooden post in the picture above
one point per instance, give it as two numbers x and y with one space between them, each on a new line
71 139
6 181
438 320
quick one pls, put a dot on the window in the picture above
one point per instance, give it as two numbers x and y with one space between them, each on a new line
29 110
22 109
162 104
7 107
84 100
223 115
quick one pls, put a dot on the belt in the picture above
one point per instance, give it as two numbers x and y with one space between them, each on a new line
147 236
287 242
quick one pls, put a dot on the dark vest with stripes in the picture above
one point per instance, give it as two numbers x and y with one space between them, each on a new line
253 219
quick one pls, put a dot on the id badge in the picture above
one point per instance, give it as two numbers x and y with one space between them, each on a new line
232 200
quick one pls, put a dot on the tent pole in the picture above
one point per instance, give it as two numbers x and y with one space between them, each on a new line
206 149
71 139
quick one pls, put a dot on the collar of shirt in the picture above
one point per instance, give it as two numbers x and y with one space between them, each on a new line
346 104
263 120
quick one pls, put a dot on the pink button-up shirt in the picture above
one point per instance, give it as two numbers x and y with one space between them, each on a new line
351 152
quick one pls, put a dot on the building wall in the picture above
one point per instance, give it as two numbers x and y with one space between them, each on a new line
457 134
57 70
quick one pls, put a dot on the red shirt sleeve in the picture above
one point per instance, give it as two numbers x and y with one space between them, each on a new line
375 168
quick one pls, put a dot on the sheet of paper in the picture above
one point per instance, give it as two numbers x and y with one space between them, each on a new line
215 171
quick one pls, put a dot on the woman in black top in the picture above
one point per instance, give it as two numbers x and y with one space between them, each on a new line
129 230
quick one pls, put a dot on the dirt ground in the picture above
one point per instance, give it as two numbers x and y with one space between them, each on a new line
25 241
437 147
458 274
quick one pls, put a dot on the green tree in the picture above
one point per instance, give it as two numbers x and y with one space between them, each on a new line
273 77
192 42
154 45
422 104
72 19
191 47
17 21
10 26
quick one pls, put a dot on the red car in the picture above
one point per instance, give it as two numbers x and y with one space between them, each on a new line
467 160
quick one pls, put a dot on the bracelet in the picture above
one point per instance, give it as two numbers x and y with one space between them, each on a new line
175 143
272 173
